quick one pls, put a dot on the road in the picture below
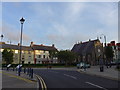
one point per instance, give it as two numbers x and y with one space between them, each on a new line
74 79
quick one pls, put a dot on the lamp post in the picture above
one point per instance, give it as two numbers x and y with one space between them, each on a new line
104 39
103 47
21 21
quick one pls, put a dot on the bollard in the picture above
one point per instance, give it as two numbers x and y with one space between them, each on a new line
24 70
13 68
27 71
7 68
31 73
19 71
101 68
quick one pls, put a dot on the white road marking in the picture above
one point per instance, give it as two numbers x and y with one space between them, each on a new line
70 76
96 85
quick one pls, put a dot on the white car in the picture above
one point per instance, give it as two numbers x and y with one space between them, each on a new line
82 65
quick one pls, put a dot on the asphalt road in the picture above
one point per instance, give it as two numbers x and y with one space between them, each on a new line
73 79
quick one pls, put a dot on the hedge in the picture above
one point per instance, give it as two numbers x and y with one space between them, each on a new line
38 65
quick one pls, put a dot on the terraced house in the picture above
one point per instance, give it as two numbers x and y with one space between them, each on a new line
33 54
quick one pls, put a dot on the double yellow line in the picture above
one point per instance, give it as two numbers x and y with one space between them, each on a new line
42 82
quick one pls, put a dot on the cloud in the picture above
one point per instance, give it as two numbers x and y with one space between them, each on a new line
0 17
73 11
109 16
64 24
64 36
12 34
60 0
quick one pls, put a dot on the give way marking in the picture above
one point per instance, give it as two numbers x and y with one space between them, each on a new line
96 85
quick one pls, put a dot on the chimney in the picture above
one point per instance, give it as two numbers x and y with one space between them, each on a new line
31 44
18 44
89 39
113 43
109 44
118 44
41 45
53 45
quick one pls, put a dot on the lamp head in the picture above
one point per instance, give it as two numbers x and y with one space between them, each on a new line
22 20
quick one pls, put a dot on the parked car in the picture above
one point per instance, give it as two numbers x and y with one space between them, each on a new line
82 65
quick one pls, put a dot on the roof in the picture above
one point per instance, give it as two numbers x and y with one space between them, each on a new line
42 47
29 48
16 47
84 48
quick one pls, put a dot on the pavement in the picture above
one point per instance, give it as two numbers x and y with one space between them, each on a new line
110 73
11 80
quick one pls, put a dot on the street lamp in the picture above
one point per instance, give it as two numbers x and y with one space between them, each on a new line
21 21
104 38
103 47
1 37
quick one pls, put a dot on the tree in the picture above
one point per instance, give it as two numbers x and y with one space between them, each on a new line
7 56
66 56
53 54
109 53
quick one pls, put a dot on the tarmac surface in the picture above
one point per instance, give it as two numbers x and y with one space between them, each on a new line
71 79
62 78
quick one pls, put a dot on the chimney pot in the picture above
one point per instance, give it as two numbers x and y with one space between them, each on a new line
53 45
18 44
31 44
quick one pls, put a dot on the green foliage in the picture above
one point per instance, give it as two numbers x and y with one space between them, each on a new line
109 52
7 56
66 56
53 54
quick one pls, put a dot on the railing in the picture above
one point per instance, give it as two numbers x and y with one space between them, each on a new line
27 71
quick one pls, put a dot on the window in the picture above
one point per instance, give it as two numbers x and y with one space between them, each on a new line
39 56
16 51
22 51
28 62
1 50
44 51
23 57
29 52
43 56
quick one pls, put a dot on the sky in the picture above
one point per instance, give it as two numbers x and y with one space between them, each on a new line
61 23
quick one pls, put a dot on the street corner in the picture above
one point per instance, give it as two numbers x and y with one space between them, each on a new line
14 75
13 81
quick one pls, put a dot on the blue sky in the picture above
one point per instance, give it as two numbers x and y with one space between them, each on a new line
59 23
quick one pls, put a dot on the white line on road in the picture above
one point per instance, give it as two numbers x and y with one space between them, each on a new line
96 85
70 76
